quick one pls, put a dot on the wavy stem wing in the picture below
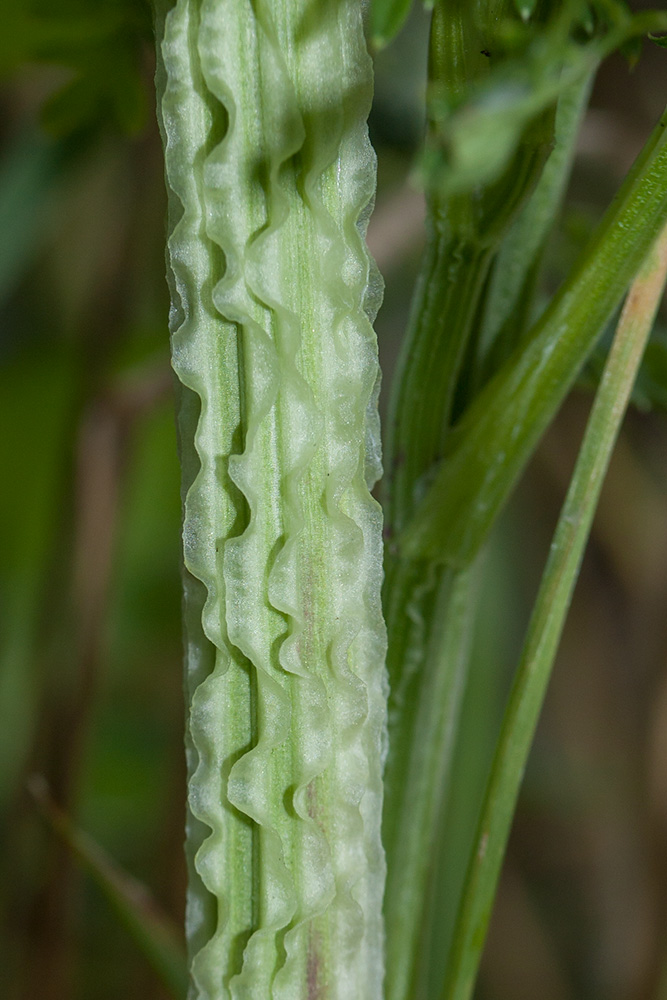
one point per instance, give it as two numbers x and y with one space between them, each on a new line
271 173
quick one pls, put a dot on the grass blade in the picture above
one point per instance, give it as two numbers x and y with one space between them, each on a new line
547 621
498 433
510 297
418 778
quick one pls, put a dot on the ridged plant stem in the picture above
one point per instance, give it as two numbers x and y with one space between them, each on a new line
263 110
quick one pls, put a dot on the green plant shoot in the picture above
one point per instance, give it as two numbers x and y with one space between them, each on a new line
263 109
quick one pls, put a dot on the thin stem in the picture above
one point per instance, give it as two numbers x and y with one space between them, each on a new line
419 776
425 608
547 621
509 304
450 283
428 609
497 434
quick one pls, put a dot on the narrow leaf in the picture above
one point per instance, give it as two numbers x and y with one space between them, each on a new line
418 775
429 610
498 433
547 621
508 299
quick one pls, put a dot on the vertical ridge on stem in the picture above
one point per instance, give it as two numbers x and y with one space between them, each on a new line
287 716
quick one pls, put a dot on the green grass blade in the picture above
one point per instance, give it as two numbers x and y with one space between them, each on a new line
547 621
492 656
417 779
156 936
450 283
511 287
498 433
462 234
428 609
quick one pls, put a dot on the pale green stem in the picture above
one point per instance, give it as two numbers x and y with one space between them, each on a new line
263 108
547 621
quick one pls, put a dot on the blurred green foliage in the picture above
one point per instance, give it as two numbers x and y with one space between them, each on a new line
100 48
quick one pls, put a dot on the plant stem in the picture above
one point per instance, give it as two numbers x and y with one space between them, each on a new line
423 605
450 282
271 174
160 940
547 621
429 610
509 303
429 705
497 434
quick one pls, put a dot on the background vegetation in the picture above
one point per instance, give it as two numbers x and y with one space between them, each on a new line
90 671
